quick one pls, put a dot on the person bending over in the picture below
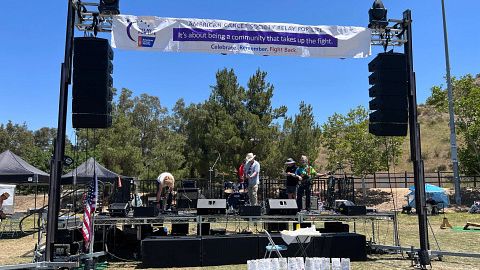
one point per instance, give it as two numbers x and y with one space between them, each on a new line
166 182
3 198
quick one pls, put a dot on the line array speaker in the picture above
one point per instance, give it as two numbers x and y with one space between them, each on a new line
92 83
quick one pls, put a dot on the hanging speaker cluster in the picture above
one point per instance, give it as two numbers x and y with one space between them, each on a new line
92 83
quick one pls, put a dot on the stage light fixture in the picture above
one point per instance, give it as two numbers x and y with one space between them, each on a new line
378 15
109 7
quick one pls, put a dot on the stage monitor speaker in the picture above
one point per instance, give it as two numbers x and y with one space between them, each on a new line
118 209
282 207
165 252
228 250
353 210
149 211
250 210
211 206
180 229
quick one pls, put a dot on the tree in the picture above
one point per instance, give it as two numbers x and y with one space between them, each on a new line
301 135
348 142
466 97
232 122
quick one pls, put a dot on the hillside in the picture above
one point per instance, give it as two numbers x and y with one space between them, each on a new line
435 137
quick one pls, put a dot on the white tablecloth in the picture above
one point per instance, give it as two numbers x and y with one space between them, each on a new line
303 234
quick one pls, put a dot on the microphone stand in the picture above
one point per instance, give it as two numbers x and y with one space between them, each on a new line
210 170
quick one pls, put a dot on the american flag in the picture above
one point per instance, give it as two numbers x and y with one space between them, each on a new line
90 203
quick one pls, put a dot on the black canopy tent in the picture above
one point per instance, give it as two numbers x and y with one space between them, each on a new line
83 174
15 170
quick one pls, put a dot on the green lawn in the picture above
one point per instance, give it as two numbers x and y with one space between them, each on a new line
448 240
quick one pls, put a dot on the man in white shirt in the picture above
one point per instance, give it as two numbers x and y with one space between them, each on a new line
165 179
252 177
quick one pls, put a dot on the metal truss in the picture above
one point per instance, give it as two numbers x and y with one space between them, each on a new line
88 19
390 35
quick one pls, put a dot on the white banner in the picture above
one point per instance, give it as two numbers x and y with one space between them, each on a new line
150 33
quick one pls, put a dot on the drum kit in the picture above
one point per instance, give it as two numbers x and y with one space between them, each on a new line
236 194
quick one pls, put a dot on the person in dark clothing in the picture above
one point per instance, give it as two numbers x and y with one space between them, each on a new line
292 178
306 173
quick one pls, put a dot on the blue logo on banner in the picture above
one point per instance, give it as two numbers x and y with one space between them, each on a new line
144 41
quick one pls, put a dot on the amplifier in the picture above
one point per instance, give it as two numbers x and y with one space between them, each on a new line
118 209
211 206
144 211
282 207
313 202
353 210
250 210
187 198
189 184
190 193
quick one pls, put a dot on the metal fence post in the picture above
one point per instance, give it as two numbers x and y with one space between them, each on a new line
374 180
406 180
438 177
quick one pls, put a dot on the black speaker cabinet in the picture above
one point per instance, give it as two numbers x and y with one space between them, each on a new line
282 207
180 228
187 197
275 226
341 245
204 229
145 211
226 250
118 209
211 206
335 227
353 210
163 252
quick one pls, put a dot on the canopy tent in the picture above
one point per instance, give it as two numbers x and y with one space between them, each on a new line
83 174
433 192
15 170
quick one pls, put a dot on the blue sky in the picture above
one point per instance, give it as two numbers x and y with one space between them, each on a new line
32 48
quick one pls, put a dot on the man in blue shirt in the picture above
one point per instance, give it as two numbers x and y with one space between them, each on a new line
252 177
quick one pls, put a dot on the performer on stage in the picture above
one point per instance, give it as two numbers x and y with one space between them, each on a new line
165 179
292 178
240 172
252 177
305 173
3 198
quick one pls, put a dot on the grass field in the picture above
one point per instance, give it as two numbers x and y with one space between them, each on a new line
11 250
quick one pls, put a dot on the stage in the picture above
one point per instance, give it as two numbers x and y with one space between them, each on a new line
242 237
